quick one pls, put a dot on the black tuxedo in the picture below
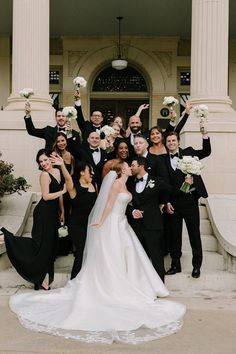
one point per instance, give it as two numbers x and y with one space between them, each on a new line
149 229
185 205
49 133
87 156
85 126
178 127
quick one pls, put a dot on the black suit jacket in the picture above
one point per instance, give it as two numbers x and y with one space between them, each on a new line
49 133
87 156
178 127
130 146
176 177
155 192
85 126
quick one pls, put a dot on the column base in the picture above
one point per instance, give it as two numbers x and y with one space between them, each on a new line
16 103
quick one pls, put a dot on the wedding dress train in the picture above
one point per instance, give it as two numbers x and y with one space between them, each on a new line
115 297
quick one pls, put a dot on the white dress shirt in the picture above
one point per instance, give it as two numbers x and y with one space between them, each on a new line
174 161
141 185
96 155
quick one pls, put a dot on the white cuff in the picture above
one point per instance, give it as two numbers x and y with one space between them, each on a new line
78 103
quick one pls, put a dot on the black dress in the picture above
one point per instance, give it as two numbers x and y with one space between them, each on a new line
82 204
34 257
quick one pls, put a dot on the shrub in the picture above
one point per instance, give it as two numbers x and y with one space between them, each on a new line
8 183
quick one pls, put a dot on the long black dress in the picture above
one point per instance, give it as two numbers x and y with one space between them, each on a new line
34 257
82 204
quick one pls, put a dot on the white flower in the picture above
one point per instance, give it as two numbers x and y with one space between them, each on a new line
26 92
170 101
69 112
201 111
190 165
151 183
107 130
79 81
63 231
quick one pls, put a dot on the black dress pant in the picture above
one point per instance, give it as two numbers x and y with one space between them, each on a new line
152 242
187 209
78 233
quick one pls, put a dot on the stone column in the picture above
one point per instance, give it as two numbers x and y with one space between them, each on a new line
209 54
30 53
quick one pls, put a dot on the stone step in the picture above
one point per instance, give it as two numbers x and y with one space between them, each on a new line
209 280
209 243
211 261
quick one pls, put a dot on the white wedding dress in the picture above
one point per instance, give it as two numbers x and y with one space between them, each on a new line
115 297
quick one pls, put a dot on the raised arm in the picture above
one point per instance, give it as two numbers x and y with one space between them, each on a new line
58 161
31 130
141 108
80 117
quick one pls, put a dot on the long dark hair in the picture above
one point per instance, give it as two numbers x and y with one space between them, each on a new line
54 147
80 166
160 131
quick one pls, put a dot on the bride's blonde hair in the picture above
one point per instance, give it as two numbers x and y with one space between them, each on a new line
118 168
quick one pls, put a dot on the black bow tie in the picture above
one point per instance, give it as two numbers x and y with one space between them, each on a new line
97 127
138 180
93 150
62 129
174 155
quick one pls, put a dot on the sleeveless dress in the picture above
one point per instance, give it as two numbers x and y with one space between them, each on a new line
33 257
81 207
115 297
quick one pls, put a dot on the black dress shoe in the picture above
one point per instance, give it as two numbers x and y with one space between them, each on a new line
173 270
196 273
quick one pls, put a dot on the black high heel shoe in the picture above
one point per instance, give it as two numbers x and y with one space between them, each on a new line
40 287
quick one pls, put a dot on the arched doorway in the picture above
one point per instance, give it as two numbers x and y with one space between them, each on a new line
120 93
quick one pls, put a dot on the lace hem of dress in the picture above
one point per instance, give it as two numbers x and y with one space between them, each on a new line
137 336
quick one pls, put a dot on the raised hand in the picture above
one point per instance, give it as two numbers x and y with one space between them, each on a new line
188 107
56 159
27 109
77 95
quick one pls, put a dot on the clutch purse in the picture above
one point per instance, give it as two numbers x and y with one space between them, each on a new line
63 231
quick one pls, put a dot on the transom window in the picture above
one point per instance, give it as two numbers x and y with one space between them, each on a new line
126 80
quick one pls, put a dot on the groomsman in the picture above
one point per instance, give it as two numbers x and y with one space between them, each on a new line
86 126
94 155
141 149
144 212
184 206
49 133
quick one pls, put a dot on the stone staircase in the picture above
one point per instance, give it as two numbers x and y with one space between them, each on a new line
215 279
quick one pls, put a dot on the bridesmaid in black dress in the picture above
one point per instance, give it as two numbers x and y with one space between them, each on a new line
60 147
33 258
83 195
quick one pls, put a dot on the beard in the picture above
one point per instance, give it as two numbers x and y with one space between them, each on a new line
135 130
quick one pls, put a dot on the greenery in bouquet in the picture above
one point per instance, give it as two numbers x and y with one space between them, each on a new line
189 165
8 183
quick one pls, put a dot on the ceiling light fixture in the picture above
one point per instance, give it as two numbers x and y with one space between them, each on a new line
119 63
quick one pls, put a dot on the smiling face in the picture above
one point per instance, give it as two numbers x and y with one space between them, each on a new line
60 119
61 142
96 118
94 140
155 136
118 120
44 162
135 124
116 128
122 151
172 143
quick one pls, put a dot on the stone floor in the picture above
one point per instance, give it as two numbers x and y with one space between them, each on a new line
209 328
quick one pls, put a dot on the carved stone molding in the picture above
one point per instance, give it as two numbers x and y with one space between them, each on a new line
166 60
73 58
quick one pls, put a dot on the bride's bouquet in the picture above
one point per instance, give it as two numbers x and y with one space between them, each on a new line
190 166
201 112
170 102
79 81
26 93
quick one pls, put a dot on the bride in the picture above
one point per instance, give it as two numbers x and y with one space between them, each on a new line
116 295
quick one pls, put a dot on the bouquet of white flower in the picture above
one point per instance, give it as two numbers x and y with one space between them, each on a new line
190 166
27 93
79 81
170 101
107 130
69 112
201 112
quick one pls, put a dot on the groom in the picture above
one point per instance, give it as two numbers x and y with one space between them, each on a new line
144 213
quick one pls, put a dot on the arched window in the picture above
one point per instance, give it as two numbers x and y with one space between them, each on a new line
126 80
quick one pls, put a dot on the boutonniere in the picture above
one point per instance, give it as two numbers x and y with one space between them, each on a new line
151 183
